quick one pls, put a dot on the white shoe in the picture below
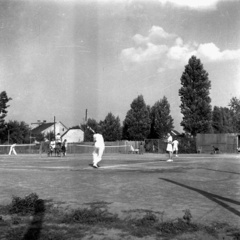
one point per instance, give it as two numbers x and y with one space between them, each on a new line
169 160
95 166
176 155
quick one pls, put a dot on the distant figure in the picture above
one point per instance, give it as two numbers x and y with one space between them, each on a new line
52 146
58 140
64 147
44 147
215 150
12 149
175 146
132 150
58 146
238 150
169 147
141 148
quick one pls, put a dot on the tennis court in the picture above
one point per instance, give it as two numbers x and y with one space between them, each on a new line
207 185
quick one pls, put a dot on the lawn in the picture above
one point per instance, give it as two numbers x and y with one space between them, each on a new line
130 196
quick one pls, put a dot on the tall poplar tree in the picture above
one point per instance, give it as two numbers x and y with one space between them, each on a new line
137 123
194 93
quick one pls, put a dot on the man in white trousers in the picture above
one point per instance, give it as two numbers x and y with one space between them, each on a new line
99 147
12 149
175 146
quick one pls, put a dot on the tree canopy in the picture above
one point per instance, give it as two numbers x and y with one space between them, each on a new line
194 93
235 111
111 128
88 135
137 123
4 99
17 132
161 120
222 120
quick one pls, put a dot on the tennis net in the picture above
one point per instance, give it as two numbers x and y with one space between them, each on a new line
20 148
81 148
72 148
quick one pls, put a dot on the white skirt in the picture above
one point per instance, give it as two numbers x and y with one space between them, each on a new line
169 147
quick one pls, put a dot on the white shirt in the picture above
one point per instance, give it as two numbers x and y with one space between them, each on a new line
58 138
98 139
52 144
169 140
175 143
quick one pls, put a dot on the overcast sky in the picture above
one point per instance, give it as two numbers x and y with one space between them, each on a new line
59 58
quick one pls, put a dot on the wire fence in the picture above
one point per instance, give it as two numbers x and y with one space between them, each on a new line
72 148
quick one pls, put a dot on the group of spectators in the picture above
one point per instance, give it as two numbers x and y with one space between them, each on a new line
56 146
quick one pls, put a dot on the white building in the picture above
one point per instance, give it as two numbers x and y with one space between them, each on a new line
46 128
73 135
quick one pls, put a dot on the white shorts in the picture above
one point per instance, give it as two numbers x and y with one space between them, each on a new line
175 148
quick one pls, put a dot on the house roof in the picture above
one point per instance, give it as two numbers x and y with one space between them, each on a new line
176 133
41 128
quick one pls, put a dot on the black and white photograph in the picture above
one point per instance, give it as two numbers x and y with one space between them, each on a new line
119 119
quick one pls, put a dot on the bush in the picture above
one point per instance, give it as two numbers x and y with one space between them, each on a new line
176 227
187 144
90 216
28 205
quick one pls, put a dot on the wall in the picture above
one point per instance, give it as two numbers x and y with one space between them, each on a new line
59 128
226 142
74 135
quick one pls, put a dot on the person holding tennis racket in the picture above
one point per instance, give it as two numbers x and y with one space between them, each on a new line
99 147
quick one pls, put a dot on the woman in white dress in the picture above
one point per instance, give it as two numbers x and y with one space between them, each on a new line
169 147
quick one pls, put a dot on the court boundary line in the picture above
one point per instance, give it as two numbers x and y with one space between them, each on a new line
123 165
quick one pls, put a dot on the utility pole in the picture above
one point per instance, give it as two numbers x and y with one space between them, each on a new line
86 116
54 131
84 137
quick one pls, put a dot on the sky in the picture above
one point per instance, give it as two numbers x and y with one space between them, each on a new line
61 57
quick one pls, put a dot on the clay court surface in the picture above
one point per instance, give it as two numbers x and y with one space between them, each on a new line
207 185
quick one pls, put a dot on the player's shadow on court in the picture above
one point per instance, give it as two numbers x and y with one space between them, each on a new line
215 170
34 230
213 197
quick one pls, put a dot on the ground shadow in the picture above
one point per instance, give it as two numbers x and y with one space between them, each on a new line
216 170
213 197
34 230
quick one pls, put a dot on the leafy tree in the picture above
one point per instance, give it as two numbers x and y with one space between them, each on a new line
235 111
40 137
111 128
17 132
4 99
137 123
222 120
194 93
162 122
88 135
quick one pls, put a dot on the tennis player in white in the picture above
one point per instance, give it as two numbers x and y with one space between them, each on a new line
99 147
169 147
175 146
12 149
